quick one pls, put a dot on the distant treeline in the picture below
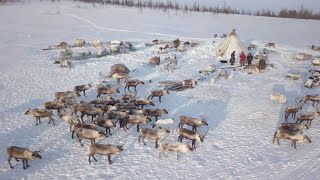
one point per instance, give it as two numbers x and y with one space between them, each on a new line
284 13
168 5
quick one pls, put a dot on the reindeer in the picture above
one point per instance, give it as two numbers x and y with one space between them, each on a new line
62 45
119 76
122 116
194 122
128 96
164 124
22 153
132 83
70 118
252 46
55 106
278 97
91 134
79 42
293 127
152 134
104 100
64 95
189 83
135 120
308 117
158 93
294 136
106 123
104 149
142 102
176 147
39 113
156 112
155 60
63 63
107 90
82 88
191 135
270 45
75 125
93 112
314 98
292 110
80 107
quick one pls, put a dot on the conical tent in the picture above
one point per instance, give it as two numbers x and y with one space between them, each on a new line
230 44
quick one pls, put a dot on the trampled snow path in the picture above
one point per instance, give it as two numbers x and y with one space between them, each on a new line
242 121
123 30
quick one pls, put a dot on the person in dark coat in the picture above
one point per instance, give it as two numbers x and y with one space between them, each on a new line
233 58
249 59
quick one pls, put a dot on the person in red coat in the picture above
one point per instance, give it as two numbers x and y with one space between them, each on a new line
242 58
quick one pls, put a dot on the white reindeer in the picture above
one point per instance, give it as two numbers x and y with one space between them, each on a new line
278 97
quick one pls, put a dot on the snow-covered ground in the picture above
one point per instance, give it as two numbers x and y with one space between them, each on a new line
242 121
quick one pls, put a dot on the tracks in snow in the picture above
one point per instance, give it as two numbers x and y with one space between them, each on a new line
82 19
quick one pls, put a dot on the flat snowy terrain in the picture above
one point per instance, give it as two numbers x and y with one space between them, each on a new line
242 120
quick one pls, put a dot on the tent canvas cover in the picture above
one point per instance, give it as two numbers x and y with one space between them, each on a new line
230 44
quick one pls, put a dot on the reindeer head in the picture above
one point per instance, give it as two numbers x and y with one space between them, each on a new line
35 155
165 92
194 82
202 137
165 111
306 139
203 121
120 147
102 135
167 131
27 112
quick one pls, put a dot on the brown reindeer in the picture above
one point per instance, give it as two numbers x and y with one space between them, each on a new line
155 112
314 98
158 93
104 149
154 60
39 113
132 83
191 135
308 117
292 110
22 153
107 90
82 88
119 76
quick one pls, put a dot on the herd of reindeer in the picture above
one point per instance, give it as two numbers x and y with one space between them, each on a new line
294 131
106 111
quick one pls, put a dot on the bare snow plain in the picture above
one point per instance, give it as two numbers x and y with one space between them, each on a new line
242 120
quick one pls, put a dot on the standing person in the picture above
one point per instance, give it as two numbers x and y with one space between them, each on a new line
233 58
242 58
249 58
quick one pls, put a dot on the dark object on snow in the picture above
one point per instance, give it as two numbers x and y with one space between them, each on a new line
223 61
118 68
154 60
262 64
232 59
176 43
